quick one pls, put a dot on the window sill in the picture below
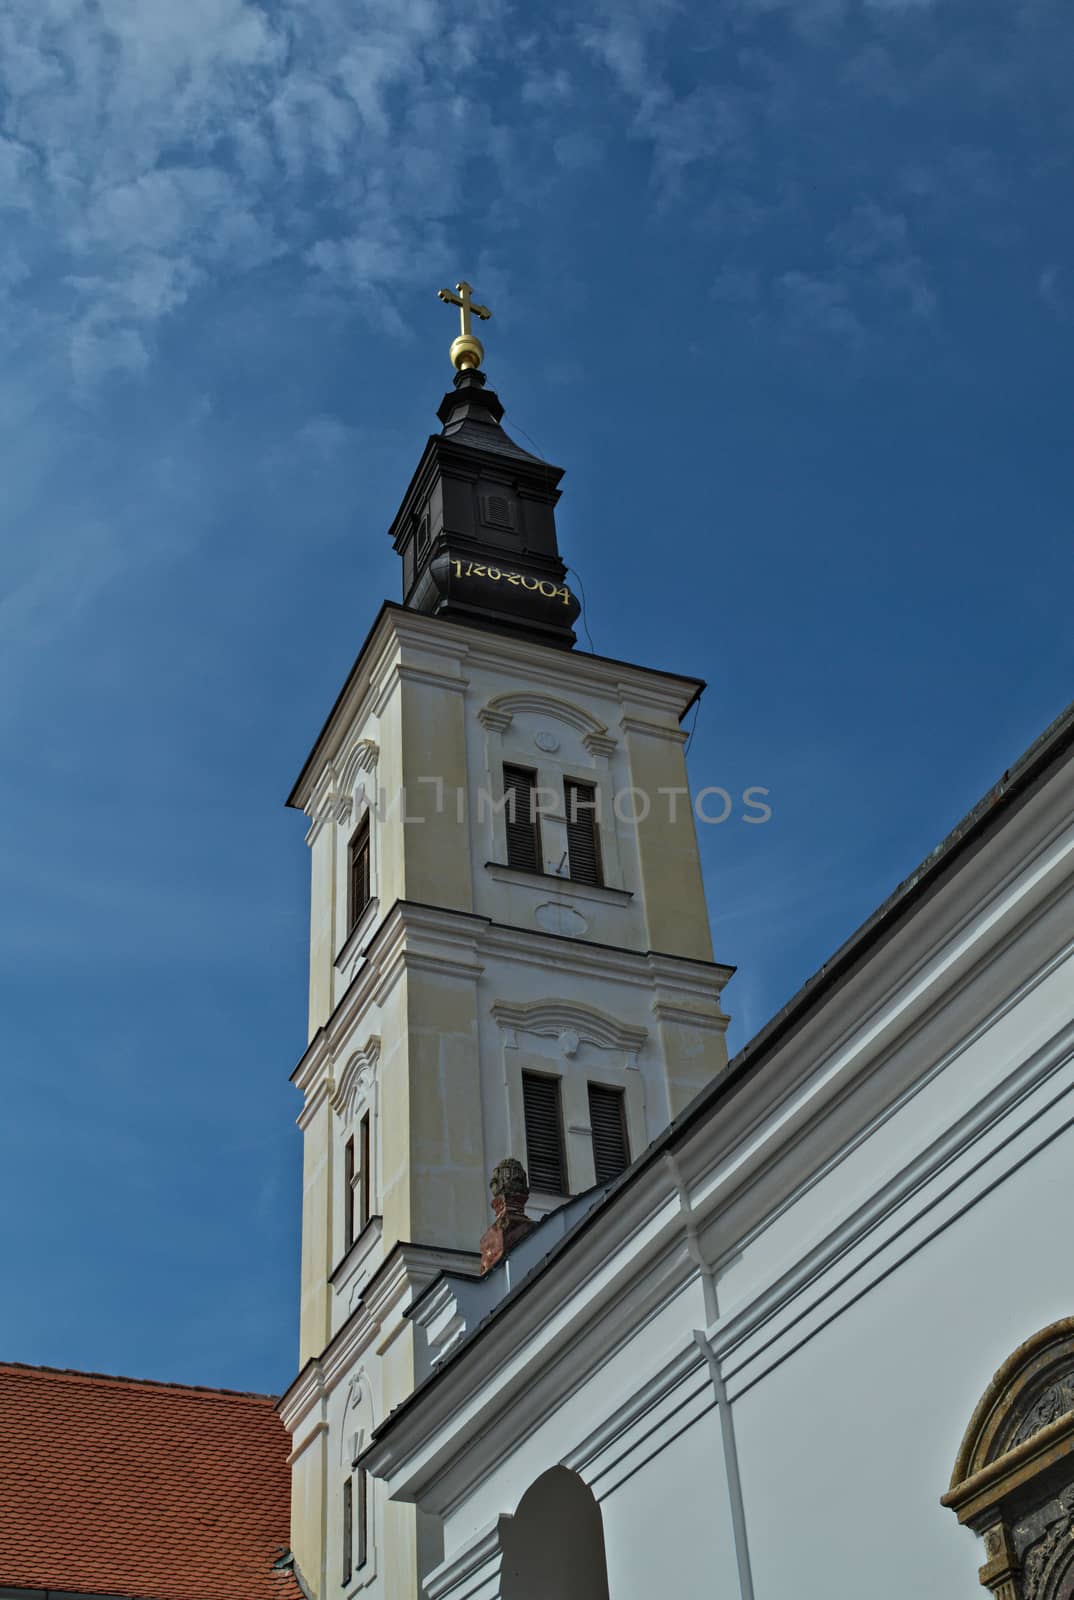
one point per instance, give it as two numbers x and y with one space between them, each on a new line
524 877
355 1258
359 934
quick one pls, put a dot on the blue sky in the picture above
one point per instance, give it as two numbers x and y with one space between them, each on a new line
788 288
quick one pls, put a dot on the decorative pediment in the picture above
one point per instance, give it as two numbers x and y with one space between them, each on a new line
1013 1481
500 711
357 1078
1032 1389
357 1424
571 1022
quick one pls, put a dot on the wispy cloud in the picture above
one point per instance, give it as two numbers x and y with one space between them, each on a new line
151 148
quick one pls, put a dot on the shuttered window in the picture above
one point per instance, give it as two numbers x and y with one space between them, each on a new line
607 1118
583 834
544 1133
520 818
348 1511
358 897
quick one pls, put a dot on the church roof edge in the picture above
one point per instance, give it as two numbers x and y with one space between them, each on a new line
1017 782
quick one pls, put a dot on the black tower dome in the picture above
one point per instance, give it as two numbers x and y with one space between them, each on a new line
477 527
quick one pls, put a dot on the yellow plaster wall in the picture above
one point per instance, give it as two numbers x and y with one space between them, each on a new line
395 1089
437 864
675 910
449 1164
399 1542
388 826
692 1058
322 925
307 1511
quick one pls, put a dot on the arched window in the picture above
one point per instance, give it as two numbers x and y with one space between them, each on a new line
554 1544
1013 1482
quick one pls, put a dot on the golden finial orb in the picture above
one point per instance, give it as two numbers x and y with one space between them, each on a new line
467 352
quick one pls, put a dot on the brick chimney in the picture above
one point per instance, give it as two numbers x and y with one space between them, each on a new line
510 1191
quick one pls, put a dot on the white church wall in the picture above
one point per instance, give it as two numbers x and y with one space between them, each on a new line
638 1383
846 1446
931 1111
667 1522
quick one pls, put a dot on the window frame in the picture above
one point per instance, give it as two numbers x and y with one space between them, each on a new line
530 1076
362 1555
365 1175
359 846
348 1194
589 812
348 1529
511 820
617 1092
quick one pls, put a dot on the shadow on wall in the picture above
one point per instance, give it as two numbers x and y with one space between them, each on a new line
554 1544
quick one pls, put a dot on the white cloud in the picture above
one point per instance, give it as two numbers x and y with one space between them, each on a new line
819 304
150 146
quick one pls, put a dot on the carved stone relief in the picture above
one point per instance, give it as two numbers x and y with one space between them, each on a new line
1013 1481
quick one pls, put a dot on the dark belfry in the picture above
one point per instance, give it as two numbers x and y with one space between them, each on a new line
477 527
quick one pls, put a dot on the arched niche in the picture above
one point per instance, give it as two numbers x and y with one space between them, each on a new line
1013 1481
554 1544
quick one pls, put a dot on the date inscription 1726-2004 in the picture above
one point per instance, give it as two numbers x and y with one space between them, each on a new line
478 569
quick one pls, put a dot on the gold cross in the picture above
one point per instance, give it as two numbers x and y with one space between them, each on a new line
464 301
467 350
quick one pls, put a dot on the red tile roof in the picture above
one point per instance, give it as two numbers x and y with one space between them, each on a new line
122 1487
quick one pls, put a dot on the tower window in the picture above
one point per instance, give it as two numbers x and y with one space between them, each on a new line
543 1114
348 1532
348 1194
423 536
607 1118
363 1518
358 896
583 833
363 1171
521 818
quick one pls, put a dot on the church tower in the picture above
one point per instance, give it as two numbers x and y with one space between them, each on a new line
509 948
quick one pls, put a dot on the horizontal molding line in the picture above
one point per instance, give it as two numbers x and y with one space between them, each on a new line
974 1126
665 1444
700 1397
812 1088
912 1251
650 1394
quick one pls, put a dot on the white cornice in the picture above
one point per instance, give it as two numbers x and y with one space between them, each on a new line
299 1399
315 1099
652 730
690 1017
372 676
379 1315
431 939
303 1444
